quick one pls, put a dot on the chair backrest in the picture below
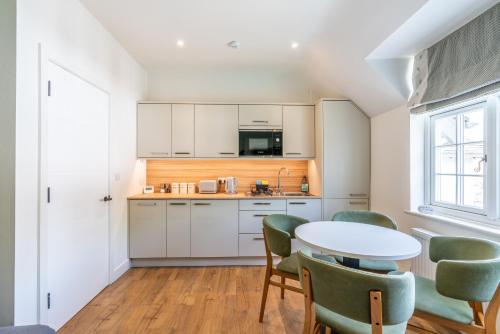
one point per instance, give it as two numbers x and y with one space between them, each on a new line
366 217
279 231
467 268
346 291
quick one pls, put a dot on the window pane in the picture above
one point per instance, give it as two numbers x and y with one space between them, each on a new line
445 189
473 125
473 191
473 155
446 160
445 130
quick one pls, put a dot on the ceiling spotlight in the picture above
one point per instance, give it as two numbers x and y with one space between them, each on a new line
234 44
295 45
180 43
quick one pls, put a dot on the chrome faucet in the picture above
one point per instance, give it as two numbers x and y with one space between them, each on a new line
279 191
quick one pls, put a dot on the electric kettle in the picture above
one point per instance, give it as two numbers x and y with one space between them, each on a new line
231 185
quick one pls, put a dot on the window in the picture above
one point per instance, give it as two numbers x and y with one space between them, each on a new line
461 145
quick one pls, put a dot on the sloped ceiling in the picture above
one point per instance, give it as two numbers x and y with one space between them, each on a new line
335 37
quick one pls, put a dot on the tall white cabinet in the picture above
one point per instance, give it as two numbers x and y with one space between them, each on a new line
341 170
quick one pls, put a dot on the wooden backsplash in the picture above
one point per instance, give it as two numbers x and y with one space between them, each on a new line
247 171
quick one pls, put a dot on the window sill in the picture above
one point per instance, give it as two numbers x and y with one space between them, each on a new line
469 224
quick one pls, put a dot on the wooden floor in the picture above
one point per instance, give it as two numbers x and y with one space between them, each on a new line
189 300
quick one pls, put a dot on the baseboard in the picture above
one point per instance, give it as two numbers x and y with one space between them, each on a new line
198 262
119 270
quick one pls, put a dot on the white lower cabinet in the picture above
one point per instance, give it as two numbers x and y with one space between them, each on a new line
214 228
251 221
332 206
309 209
178 228
147 229
251 245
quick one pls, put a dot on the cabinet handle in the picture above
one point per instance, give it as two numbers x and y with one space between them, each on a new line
293 153
258 238
146 204
260 215
260 121
261 203
227 153
297 203
353 203
357 195
165 153
182 153
201 203
177 203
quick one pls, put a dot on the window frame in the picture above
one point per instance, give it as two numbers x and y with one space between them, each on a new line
491 176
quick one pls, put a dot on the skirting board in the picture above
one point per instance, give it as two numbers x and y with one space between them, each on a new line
198 262
119 270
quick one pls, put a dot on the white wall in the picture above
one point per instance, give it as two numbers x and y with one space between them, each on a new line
70 35
7 157
242 84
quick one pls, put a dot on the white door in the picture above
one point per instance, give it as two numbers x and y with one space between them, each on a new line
76 255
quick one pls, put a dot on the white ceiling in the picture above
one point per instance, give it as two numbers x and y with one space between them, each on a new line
335 36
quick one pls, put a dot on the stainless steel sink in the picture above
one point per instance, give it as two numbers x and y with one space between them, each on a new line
296 193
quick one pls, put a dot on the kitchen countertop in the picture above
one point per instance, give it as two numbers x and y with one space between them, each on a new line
214 196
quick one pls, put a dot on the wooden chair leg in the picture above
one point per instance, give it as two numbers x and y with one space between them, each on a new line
328 330
283 280
490 319
317 328
264 294
309 315
376 311
477 309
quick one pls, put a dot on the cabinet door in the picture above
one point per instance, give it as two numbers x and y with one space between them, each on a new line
346 151
332 206
252 245
214 228
147 229
154 122
260 116
216 131
178 228
298 131
182 130
309 209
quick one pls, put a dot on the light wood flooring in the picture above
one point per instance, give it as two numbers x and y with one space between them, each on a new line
189 300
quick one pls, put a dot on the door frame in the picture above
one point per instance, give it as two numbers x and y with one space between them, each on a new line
45 58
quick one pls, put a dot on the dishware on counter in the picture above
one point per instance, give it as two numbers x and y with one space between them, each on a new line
231 186
164 188
261 186
175 188
207 186
183 188
191 188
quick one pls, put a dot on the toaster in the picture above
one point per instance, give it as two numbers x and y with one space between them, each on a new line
207 186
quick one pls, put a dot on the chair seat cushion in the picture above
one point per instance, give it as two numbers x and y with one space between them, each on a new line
343 325
429 300
382 265
291 264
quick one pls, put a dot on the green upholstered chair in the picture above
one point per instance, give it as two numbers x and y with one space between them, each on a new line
372 218
352 301
279 230
467 275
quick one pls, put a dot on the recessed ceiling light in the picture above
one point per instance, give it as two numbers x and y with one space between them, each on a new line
234 44
295 45
180 43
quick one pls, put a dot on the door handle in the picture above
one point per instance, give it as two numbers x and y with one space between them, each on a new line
181 203
201 203
260 121
357 195
260 215
293 153
227 153
182 153
297 203
154 153
107 198
361 203
258 238
146 204
261 203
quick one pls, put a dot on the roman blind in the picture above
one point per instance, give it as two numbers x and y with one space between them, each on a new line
463 65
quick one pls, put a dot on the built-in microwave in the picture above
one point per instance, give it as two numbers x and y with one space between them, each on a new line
261 143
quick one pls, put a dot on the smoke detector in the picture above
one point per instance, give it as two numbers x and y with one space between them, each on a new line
234 44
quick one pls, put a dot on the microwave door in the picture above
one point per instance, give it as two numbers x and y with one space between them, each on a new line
256 143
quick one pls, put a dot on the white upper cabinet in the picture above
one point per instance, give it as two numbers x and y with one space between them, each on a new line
216 131
154 137
298 131
182 130
263 116
346 151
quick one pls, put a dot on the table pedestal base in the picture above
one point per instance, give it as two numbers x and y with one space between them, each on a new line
350 262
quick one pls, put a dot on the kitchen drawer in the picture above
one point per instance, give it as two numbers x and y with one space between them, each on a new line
259 204
309 209
251 221
251 245
332 206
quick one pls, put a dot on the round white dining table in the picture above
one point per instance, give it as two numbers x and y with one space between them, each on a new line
355 241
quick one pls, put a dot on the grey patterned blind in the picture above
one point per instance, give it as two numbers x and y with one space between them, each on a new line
463 65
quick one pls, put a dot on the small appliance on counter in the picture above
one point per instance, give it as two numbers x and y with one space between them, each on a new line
183 188
175 188
148 189
207 186
231 185
164 188
191 188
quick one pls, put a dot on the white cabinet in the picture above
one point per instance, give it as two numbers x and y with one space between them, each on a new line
251 245
178 228
147 229
154 122
260 204
182 130
332 206
309 209
216 131
251 221
346 151
298 131
260 116
214 228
